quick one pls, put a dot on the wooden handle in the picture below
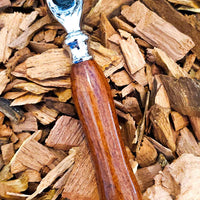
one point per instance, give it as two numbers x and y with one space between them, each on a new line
95 107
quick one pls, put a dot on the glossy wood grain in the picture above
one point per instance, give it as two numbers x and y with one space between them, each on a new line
95 107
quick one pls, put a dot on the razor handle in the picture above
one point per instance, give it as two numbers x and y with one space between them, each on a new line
96 110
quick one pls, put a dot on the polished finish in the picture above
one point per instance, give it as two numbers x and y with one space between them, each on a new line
95 107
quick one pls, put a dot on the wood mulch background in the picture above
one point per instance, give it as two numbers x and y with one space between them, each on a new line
149 51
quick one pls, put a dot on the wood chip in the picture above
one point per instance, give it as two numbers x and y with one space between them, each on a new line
5 131
145 176
9 32
33 175
55 173
186 143
50 35
165 151
179 120
21 138
132 106
81 184
4 80
93 16
31 155
66 133
189 61
147 154
181 186
14 95
23 40
165 10
183 94
7 152
29 124
64 108
159 95
120 24
158 32
106 31
50 64
27 99
33 88
162 129
44 114
4 4
168 64
134 59
28 20
195 122
121 78
40 47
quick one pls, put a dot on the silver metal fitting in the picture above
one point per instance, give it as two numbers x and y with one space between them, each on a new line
77 41
68 13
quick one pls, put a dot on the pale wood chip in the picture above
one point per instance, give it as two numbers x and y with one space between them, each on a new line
21 138
147 154
29 124
168 64
7 152
189 61
145 176
63 94
55 173
33 88
177 180
50 35
66 133
134 58
120 24
158 32
62 82
4 4
14 95
93 16
40 47
9 32
28 20
31 155
4 80
186 143
53 63
121 78
179 121
44 114
113 55
159 117
81 183
113 68
23 40
5 131
33 175
27 99
195 122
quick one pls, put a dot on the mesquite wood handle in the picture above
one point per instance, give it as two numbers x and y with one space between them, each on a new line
95 107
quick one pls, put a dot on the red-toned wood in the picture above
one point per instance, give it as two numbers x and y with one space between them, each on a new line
95 107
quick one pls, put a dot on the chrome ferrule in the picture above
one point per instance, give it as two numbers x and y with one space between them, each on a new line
77 41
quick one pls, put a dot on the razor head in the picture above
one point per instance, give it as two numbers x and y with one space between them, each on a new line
65 5
67 12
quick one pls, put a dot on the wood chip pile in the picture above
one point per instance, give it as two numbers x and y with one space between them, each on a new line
149 52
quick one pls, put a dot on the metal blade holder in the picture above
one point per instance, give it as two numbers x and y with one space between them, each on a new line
68 13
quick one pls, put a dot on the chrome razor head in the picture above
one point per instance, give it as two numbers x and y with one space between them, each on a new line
67 12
